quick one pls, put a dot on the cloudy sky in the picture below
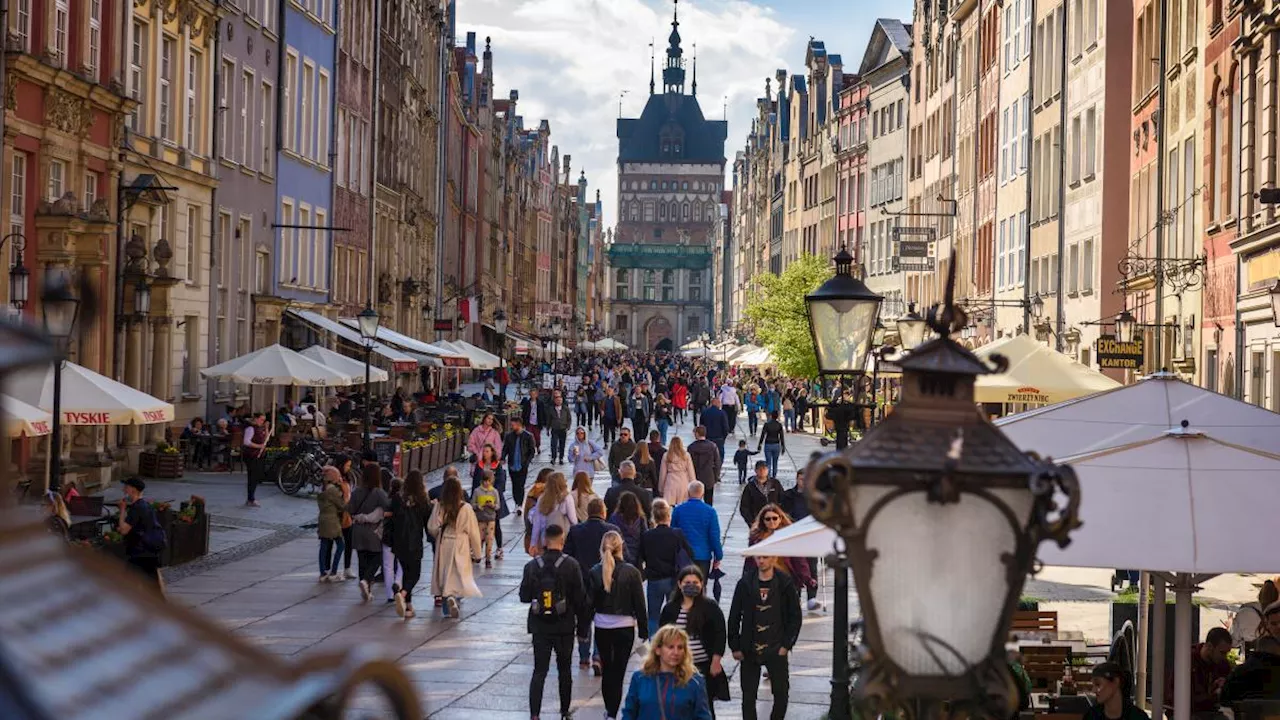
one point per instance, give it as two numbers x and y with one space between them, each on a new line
572 59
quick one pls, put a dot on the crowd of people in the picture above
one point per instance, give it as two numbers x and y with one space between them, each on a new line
641 562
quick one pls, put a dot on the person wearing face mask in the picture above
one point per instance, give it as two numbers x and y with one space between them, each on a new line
691 610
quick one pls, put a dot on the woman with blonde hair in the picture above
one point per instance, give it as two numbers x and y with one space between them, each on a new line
667 685
555 507
677 473
646 470
583 491
616 591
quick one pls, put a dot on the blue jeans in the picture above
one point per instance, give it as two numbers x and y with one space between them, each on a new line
771 453
719 442
789 419
657 591
330 553
663 425
587 650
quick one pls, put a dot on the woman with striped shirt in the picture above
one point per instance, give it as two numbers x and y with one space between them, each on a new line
700 617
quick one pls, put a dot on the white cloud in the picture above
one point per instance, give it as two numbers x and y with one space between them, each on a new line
571 59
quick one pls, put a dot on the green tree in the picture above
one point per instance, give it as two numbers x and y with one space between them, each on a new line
776 310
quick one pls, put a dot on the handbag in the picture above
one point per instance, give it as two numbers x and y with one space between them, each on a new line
600 465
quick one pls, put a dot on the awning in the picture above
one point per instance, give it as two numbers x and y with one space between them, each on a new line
400 362
87 397
427 353
480 358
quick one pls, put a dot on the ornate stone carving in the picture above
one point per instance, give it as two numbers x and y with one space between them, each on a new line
65 205
100 210
11 93
66 112
136 252
163 254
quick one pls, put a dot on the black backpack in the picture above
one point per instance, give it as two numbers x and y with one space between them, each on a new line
549 602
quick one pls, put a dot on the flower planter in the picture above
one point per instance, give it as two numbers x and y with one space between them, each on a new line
160 464
433 456
188 540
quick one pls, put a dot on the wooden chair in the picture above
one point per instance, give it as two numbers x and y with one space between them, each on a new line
1045 664
1034 621
235 450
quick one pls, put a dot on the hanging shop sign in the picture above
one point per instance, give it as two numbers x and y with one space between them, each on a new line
1115 355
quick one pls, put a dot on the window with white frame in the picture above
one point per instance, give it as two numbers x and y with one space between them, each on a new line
1023 238
244 254
307 108
168 46
288 115
288 257
95 38
248 86
57 184
1090 23
61 28
262 272
1001 255
340 126
1086 266
22 23
191 248
224 109
137 78
225 251
1076 149
192 120
266 130
321 238
1023 123
90 189
17 199
322 119
305 248
1090 142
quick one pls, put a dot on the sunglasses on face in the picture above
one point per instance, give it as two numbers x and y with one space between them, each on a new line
772 518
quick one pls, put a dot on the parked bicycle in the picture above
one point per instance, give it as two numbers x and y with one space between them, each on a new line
301 467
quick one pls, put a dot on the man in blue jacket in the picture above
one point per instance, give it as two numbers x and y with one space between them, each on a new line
716 422
701 527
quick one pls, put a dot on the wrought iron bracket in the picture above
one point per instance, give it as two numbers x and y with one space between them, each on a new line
1181 274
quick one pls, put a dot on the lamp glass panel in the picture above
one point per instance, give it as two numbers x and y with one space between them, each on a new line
938 602
912 332
842 330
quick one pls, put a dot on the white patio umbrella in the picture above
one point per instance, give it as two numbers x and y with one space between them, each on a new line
88 398
1037 374
278 365
610 344
480 358
343 364
756 358
804 538
21 418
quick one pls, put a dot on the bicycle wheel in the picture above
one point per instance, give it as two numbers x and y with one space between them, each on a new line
292 475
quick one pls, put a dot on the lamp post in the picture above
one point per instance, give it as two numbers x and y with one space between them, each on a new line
556 329
911 328
937 611
1126 326
19 278
500 324
367 323
59 307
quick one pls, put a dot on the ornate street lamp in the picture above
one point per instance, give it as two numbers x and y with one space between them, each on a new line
842 318
500 325
1126 326
59 308
19 283
878 334
367 323
911 328
426 312
937 609
141 297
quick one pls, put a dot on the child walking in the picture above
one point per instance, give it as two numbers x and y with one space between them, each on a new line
484 500
740 458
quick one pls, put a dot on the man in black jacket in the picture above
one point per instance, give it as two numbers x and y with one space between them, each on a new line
554 615
627 483
661 549
535 412
518 451
707 462
764 625
759 492
583 546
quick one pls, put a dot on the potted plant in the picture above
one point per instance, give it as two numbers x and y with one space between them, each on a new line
165 461
189 538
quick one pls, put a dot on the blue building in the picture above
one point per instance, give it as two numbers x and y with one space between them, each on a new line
304 193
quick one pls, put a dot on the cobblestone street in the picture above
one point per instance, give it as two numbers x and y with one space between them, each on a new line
260 582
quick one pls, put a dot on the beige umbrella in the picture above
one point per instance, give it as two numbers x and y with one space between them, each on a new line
89 398
343 364
278 365
1037 374
21 418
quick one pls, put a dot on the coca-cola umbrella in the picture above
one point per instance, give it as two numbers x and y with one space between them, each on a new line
88 398
23 418
278 365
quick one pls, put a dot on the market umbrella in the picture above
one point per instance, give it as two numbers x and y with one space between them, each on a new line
88 398
1037 374
21 418
480 358
803 538
1141 411
756 358
343 364
278 365
610 344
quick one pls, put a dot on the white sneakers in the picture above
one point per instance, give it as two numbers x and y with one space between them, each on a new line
814 605
349 574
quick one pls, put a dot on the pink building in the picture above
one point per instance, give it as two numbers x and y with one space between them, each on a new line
851 159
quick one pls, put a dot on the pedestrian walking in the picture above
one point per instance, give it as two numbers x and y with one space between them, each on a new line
144 538
555 507
410 513
253 447
640 409
559 420
664 551
453 525
707 460
552 588
646 468
518 450
771 519
350 480
531 501
618 610
329 512
485 501
729 403
621 451
632 522
715 421
667 685
490 462
662 417
610 415
583 492
691 610
701 527
368 507
773 442
488 432
583 545
677 474
392 572
584 453
764 625
534 411
761 491
742 457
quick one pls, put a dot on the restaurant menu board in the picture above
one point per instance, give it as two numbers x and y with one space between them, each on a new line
388 452
570 382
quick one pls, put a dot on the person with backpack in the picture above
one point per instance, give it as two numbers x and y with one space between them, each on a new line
616 590
555 507
144 539
552 588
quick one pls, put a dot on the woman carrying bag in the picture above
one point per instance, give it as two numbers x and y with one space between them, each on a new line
453 524
691 610
616 589
369 506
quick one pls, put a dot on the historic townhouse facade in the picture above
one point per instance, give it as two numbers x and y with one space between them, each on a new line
853 125
353 131
244 127
1012 167
1045 276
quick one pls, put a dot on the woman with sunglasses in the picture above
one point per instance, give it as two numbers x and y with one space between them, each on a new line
771 519
702 619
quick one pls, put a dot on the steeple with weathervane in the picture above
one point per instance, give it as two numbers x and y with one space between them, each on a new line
673 73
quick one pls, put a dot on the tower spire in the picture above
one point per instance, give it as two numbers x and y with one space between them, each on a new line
695 69
651 64
673 73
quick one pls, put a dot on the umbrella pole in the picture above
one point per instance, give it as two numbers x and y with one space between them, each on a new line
1144 633
1182 639
1159 621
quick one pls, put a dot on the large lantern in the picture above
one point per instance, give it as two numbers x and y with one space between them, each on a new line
911 328
1126 326
842 318
941 515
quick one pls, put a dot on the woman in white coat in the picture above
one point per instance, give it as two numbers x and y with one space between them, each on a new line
676 474
453 525
584 454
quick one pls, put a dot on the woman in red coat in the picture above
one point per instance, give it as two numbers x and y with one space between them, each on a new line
680 399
